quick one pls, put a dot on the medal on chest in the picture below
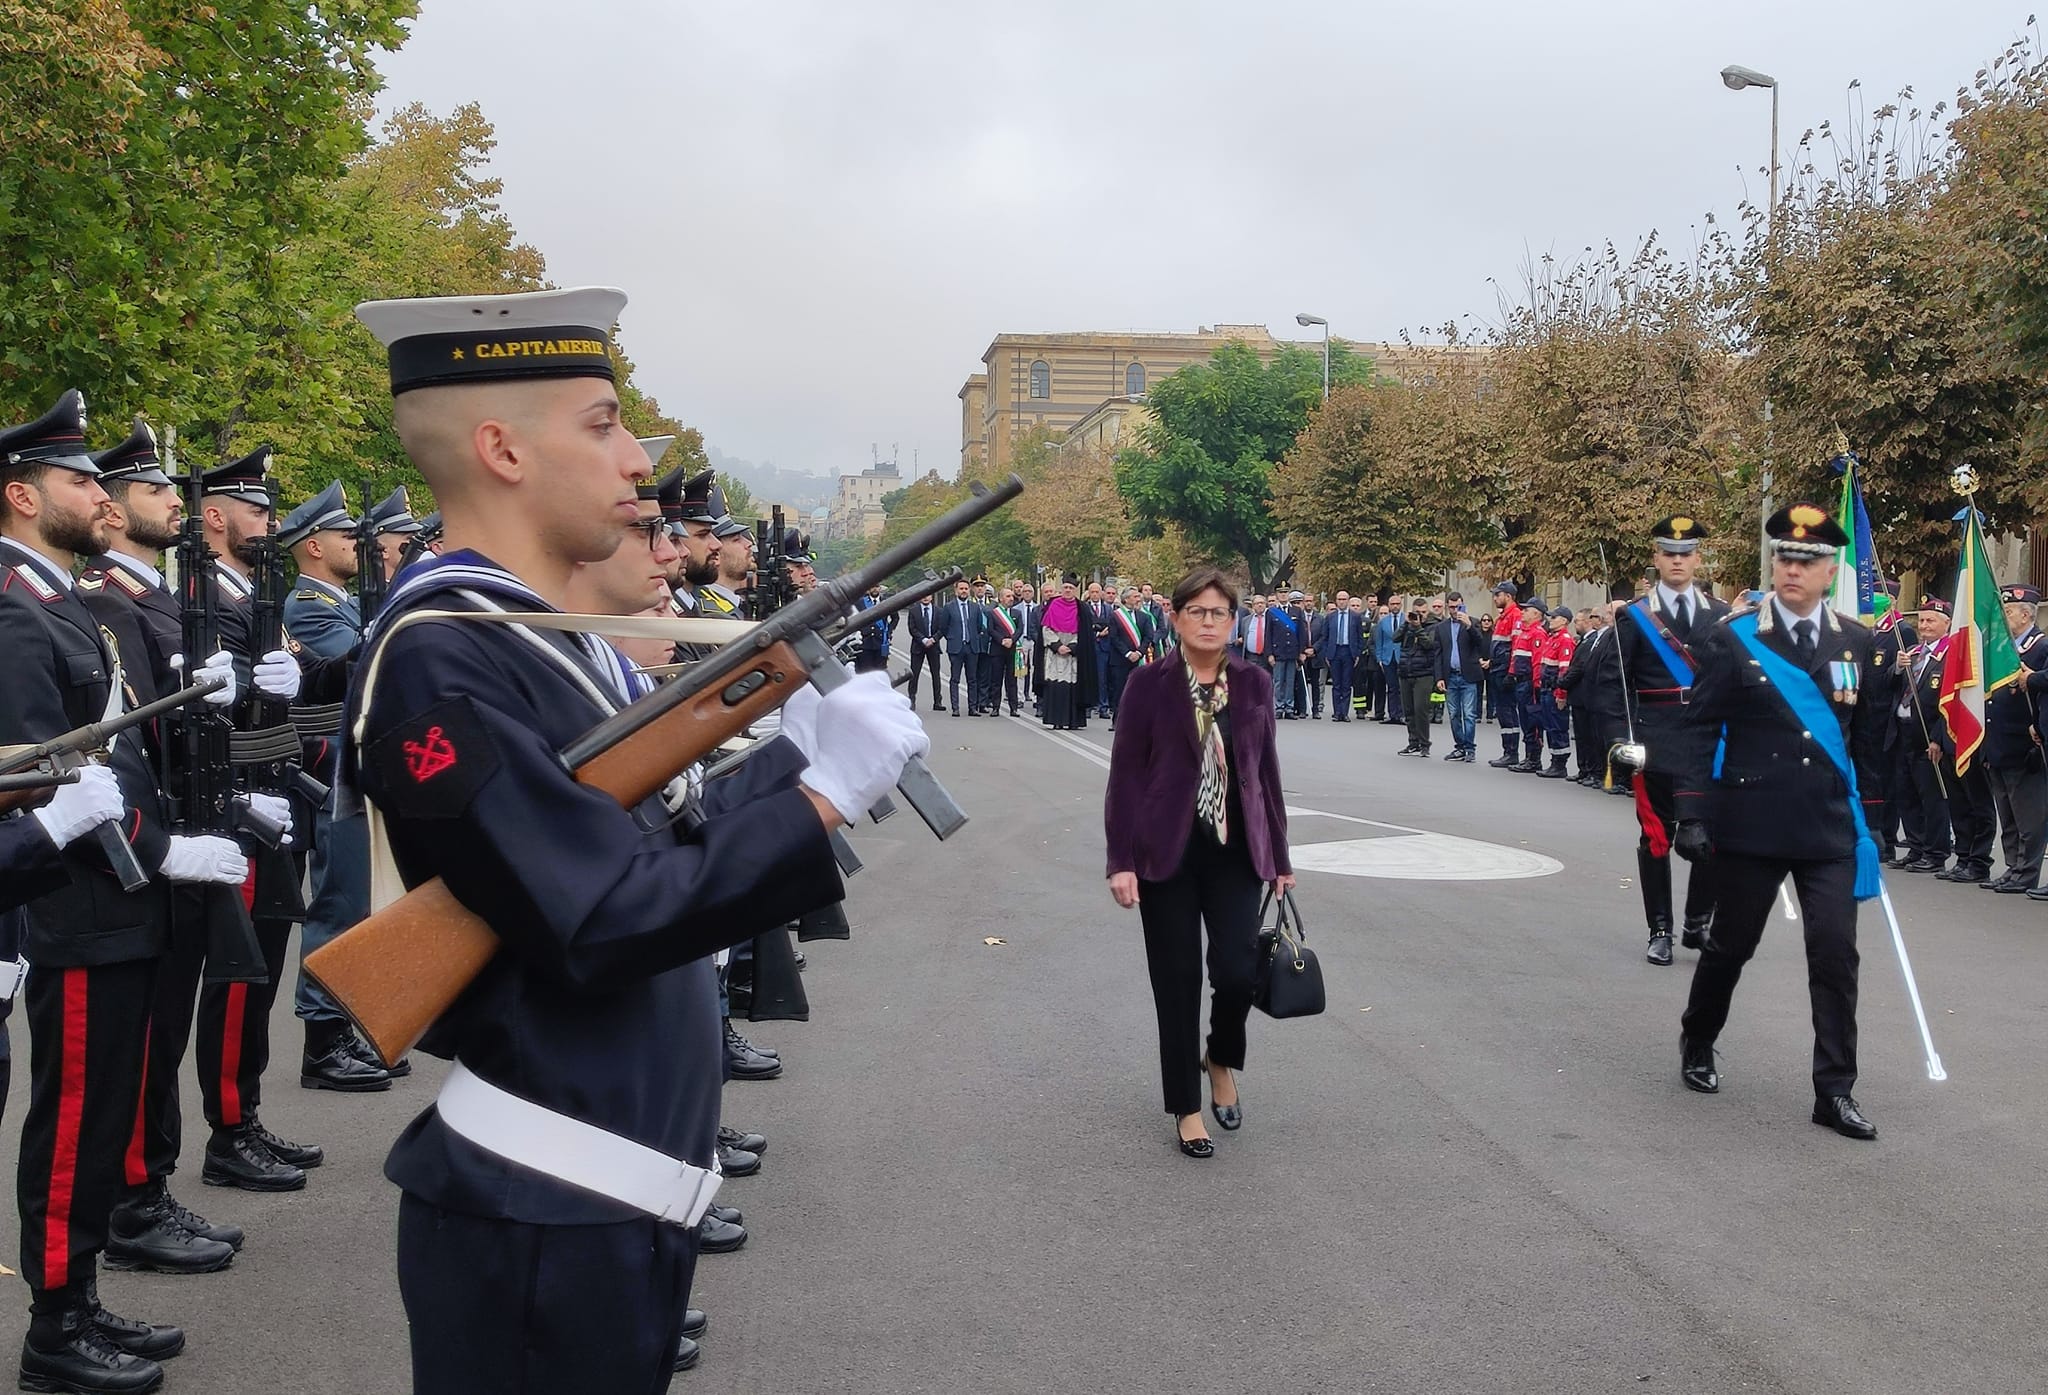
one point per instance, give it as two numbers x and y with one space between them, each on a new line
1843 675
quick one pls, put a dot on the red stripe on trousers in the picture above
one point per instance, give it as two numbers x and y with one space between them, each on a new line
1653 827
231 1054
70 1113
133 1168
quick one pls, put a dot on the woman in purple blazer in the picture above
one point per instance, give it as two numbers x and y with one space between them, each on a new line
1197 830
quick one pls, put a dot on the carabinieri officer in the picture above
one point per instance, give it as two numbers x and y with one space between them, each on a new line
1778 758
551 1195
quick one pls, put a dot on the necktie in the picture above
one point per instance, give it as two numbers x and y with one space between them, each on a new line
1259 634
1803 636
1683 615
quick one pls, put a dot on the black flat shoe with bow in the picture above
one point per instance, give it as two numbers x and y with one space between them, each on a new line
1193 1147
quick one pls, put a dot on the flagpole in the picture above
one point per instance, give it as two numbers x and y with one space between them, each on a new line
1934 1067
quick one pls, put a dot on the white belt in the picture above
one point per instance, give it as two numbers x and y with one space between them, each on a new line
572 1151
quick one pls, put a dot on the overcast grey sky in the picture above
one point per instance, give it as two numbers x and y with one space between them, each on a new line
824 211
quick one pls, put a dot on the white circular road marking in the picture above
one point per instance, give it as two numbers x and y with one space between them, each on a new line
1423 857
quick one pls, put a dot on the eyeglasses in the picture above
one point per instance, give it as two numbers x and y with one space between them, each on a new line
653 529
1201 613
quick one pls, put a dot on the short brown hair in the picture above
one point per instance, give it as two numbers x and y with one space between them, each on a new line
1203 579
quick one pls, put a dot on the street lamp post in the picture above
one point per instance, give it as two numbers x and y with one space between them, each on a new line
1305 321
1736 77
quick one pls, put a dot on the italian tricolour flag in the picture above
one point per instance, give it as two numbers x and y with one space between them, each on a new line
1980 658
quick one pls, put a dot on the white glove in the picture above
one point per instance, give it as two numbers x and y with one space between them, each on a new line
277 676
800 720
76 810
205 858
221 666
276 808
866 733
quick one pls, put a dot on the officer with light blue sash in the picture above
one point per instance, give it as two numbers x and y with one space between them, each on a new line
1777 755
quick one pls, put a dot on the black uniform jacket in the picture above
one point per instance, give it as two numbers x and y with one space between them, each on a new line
59 676
602 1003
142 615
2010 711
1657 697
1593 678
1778 793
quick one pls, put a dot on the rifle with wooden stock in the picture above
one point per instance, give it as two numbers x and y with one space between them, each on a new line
400 969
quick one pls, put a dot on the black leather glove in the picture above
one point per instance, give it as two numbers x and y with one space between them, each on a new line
1690 841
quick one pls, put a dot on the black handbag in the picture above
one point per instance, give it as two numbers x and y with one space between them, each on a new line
1290 981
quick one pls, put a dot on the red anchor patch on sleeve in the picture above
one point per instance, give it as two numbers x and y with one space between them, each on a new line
431 765
429 756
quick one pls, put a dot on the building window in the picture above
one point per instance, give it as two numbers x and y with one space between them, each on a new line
1041 378
1134 380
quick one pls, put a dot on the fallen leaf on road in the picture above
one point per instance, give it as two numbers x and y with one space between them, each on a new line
1365 1009
993 940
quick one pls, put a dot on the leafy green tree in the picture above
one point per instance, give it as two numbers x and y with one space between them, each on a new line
1203 463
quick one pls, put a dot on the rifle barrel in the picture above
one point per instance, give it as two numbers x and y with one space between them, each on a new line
896 604
95 735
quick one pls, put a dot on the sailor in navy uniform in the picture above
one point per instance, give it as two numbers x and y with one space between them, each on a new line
93 943
546 1229
2011 756
1776 763
1653 639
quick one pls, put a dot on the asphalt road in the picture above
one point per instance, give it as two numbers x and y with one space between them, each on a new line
1477 1172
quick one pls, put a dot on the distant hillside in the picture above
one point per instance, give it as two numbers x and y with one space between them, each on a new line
773 484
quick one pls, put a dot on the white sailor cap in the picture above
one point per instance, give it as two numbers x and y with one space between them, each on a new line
436 341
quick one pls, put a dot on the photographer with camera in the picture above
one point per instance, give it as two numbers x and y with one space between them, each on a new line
1416 645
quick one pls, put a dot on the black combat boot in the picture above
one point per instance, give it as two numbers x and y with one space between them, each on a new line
145 1232
1557 769
66 1351
236 1157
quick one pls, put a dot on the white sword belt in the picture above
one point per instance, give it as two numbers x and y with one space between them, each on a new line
569 1150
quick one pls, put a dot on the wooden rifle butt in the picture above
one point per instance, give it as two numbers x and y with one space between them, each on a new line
396 972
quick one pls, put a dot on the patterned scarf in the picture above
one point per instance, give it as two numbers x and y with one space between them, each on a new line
1212 799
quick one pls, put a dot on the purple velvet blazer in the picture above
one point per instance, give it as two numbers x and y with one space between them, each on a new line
1155 767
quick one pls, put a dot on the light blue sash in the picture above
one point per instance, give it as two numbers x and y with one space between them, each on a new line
1671 659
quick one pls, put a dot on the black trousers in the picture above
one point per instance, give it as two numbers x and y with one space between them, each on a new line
1343 665
505 1308
229 1035
2020 798
1971 815
1656 817
1372 686
1217 888
965 669
88 1030
1119 674
1901 819
999 672
1933 781
1747 894
921 659
1416 690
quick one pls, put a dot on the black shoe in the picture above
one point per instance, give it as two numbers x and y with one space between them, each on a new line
1696 1066
743 1062
1506 762
1557 771
696 1322
938 707
1840 1113
688 1354
1961 872
1927 863
715 1237
2039 893
1193 1147
1529 766
738 1162
85 1359
734 1033
143 1339
367 1054
229 1235
1456 753
236 1157
729 1214
145 1234
1698 933
301 1155
2013 886
1659 952
339 1068
733 1138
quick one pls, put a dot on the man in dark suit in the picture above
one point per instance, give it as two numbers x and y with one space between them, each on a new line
1131 638
964 628
1593 680
1900 829
1096 611
2010 756
875 638
1341 639
926 623
1773 750
1288 635
1030 612
1655 635
1921 733
1460 650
